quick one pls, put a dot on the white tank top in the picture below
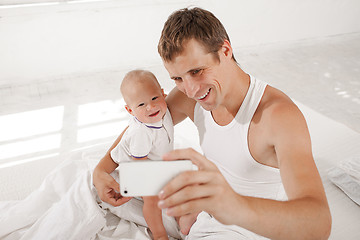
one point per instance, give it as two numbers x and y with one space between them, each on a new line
227 147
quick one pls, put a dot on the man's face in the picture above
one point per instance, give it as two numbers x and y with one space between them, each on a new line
197 74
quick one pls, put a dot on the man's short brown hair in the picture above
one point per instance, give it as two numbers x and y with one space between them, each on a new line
186 24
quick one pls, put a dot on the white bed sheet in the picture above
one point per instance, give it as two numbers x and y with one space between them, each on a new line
332 143
64 207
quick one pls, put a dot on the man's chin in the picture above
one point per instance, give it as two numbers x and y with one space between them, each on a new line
207 107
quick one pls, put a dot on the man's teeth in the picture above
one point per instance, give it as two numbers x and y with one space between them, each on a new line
203 96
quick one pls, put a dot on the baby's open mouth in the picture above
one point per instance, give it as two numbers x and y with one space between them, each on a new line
154 114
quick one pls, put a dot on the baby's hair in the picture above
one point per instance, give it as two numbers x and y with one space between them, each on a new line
136 76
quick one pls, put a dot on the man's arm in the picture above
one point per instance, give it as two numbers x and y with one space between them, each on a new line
180 106
306 214
108 189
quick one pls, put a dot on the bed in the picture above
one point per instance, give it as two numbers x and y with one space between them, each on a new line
26 219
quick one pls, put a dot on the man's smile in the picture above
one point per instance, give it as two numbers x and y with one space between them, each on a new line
204 96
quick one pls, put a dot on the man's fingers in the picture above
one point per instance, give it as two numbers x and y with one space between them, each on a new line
194 206
188 193
189 153
186 179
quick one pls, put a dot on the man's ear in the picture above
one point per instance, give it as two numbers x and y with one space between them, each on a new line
226 49
129 109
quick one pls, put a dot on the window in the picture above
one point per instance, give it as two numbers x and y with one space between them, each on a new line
23 2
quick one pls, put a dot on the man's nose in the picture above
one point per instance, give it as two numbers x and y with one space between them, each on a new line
190 88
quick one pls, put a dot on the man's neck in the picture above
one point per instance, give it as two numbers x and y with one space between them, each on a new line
237 88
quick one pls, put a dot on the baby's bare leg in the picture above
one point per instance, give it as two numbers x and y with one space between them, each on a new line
185 222
153 217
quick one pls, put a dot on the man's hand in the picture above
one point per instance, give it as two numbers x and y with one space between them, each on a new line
194 191
107 188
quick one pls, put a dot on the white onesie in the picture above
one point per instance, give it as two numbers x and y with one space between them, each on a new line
140 140
145 140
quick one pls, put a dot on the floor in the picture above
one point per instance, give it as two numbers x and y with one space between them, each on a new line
42 122
323 74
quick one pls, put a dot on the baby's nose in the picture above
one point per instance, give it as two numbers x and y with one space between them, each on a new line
149 106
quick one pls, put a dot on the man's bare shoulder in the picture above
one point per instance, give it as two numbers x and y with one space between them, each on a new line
276 103
180 106
277 126
281 114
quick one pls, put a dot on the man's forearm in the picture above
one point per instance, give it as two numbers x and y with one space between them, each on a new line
306 218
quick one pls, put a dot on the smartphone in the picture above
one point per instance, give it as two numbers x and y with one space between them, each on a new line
148 177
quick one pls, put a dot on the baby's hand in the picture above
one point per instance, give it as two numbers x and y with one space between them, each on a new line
108 189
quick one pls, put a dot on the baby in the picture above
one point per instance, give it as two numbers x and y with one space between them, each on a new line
150 135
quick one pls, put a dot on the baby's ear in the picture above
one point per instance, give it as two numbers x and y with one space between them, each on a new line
162 92
128 109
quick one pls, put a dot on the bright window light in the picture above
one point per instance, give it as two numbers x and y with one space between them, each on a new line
29 2
38 144
27 160
31 123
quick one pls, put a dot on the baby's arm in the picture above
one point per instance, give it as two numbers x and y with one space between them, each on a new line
107 188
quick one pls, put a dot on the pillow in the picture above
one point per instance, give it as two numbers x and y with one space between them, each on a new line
346 176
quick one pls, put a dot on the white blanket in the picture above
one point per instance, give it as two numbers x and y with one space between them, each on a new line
65 207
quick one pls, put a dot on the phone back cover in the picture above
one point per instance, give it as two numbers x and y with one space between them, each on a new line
147 178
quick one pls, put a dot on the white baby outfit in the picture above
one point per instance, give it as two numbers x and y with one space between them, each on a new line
227 147
145 140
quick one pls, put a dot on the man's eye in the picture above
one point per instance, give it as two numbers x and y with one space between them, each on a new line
154 98
141 104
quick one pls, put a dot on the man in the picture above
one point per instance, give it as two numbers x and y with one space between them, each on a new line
257 174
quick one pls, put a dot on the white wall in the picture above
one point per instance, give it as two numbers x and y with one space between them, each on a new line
44 42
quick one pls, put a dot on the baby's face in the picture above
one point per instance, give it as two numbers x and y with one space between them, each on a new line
146 101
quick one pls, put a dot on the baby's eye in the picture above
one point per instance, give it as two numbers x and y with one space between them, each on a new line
154 98
141 104
195 71
177 78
